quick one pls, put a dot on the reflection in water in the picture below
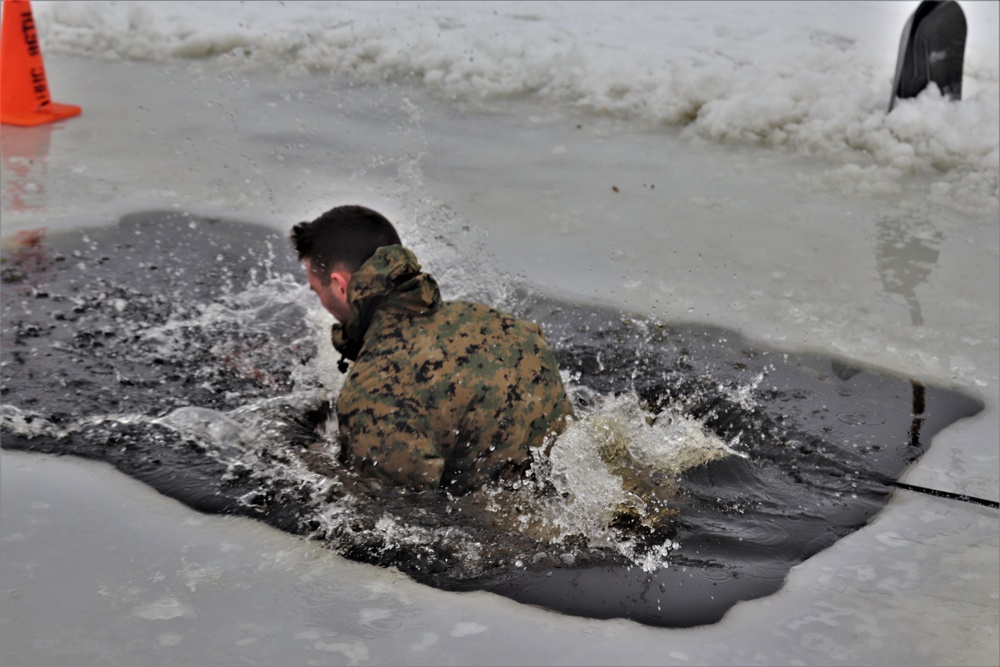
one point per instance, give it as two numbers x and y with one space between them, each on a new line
25 152
906 253
919 402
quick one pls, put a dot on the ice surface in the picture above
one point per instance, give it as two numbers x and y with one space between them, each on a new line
818 86
164 585
744 173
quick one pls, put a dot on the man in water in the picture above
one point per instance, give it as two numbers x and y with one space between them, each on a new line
441 395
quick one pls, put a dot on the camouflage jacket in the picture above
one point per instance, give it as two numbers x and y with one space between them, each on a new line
441 394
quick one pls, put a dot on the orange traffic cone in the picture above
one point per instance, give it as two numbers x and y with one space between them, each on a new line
24 90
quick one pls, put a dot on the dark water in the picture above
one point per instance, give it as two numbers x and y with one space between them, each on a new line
108 333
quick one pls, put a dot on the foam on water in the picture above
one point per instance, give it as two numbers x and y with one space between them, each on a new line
595 463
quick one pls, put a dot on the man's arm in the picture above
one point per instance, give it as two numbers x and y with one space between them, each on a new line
386 436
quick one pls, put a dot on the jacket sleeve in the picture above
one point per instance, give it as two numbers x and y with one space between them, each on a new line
384 434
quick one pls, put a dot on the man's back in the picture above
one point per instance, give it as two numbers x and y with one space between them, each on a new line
441 395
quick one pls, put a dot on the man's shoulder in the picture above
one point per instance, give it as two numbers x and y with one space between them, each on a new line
484 317
456 332
481 310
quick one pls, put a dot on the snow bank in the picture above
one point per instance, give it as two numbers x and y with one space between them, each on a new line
820 87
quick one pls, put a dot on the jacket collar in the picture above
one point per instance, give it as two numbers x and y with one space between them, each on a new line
391 280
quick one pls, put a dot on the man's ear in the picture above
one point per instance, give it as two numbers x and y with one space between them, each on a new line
338 283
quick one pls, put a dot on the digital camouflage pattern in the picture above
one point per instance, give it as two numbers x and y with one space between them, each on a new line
441 394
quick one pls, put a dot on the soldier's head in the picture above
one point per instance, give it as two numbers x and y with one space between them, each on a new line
335 245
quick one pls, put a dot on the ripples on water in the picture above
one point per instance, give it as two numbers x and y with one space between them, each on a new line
700 468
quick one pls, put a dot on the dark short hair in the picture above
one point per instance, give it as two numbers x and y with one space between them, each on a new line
343 237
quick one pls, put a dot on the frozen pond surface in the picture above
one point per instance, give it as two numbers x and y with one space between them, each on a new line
896 268
170 586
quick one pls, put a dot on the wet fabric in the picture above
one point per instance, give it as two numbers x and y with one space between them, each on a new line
441 394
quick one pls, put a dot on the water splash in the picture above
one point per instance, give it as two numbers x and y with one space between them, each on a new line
198 364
